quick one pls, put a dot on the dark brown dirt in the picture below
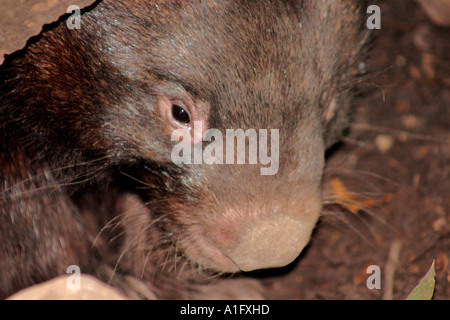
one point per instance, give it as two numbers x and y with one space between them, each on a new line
408 106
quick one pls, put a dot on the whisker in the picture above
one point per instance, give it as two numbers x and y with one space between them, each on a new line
369 127
341 217
133 241
70 181
355 172
135 179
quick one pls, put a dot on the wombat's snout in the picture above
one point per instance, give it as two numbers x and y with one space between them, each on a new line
260 242
270 243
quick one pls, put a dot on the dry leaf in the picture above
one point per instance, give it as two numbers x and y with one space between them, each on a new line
352 201
361 277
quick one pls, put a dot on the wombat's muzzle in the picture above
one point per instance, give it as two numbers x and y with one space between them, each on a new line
269 243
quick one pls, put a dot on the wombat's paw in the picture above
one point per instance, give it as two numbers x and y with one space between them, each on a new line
231 289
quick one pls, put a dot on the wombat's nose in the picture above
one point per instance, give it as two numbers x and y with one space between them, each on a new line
270 243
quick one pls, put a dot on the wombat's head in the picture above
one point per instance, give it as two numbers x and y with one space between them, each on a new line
237 71
165 70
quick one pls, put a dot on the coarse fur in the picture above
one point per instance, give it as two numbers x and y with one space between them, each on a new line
85 168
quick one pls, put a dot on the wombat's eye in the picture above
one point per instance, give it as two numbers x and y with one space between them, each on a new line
180 114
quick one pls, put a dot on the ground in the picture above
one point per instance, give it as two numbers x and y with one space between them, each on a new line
395 165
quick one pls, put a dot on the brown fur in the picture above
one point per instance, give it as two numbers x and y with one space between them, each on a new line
86 171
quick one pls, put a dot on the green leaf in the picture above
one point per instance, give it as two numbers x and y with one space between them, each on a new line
425 289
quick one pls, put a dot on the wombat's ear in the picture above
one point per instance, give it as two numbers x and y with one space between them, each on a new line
336 118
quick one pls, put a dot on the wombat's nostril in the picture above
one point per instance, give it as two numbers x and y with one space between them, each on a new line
270 243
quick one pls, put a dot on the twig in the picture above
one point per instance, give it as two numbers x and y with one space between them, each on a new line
391 266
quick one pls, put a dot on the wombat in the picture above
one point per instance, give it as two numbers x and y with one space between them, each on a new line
86 154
